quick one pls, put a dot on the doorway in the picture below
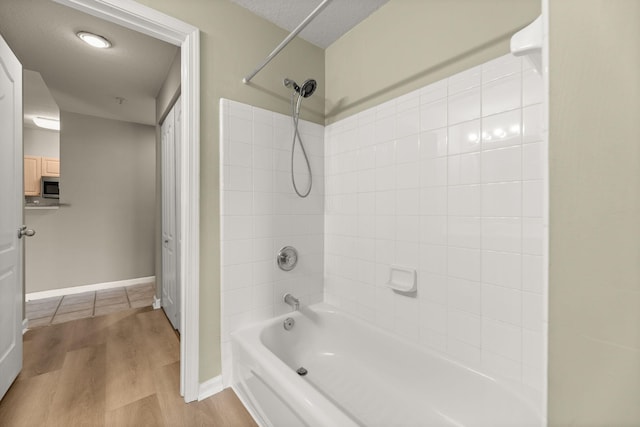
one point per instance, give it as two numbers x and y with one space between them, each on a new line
162 27
158 25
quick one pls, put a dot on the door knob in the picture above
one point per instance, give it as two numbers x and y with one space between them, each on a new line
24 231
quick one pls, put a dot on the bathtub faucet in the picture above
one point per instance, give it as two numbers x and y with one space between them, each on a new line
292 301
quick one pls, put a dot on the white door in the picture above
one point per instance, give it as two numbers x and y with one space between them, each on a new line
11 201
170 278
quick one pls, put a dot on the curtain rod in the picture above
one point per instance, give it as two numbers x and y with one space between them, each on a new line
286 41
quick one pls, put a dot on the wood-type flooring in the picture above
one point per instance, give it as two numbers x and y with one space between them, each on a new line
121 369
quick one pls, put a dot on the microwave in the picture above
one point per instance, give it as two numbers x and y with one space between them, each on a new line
50 187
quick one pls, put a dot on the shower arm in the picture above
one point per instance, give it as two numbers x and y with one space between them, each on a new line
286 41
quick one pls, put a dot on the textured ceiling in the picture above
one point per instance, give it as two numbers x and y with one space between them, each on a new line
335 20
82 79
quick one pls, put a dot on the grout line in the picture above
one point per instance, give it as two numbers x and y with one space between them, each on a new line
56 310
95 296
126 292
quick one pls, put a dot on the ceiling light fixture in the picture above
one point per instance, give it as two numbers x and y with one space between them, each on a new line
94 40
53 124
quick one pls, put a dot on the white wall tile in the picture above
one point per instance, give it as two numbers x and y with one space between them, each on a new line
432 92
532 161
503 199
433 143
532 199
501 67
432 287
407 201
532 311
408 122
433 230
433 259
464 232
502 234
502 339
433 115
532 124
532 271
532 236
502 130
532 87
464 200
464 295
502 268
502 304
464 137
408 149
464 264
433 201
464 169
501 95
464 106
433 172
502 165
237 203
464 327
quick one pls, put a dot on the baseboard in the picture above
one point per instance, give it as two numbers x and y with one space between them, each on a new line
210 387
25 324
157 302
88 288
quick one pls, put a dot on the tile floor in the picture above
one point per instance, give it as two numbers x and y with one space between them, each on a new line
54 310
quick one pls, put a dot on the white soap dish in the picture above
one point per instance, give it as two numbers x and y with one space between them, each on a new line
402 279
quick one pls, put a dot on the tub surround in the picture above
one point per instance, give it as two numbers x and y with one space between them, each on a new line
261 214
448 180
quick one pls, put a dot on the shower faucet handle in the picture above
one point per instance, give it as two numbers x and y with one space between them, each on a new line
287 258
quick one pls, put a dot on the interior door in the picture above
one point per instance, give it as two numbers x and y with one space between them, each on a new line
170 278
11 201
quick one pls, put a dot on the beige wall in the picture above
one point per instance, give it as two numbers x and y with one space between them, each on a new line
233 42
40 142
169 91
594 341
407 44
107 232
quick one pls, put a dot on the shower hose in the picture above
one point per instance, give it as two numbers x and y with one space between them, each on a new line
295 114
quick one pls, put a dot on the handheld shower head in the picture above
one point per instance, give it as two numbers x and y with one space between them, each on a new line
307 89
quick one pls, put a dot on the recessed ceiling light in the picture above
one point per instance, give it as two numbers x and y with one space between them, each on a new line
45 123
94 40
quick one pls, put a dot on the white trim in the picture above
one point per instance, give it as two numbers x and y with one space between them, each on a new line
157 302
248 406
87 288
210 387
137 17
25 326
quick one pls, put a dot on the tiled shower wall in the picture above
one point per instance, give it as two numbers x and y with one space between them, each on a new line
261 214
447 180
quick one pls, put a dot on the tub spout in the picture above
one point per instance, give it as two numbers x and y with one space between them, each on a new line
292 301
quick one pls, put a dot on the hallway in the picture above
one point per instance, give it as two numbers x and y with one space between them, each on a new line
121 369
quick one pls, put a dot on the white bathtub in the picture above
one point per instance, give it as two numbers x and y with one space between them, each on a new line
359 375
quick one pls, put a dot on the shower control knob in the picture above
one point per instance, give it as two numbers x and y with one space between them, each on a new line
287 258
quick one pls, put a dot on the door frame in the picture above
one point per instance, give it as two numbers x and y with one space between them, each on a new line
146 20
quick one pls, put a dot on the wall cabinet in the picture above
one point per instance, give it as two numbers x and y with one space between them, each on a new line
35 168
50 166
32 174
